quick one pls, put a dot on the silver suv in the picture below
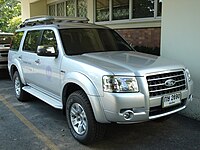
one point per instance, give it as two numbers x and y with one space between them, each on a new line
93 75
5 41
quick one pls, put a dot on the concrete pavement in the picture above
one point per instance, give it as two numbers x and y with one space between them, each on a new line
35 125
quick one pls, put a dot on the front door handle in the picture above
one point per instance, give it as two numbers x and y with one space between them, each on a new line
20 57
37 61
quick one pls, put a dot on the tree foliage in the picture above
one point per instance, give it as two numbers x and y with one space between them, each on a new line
10 11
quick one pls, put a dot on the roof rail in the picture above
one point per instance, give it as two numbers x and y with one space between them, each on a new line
38 20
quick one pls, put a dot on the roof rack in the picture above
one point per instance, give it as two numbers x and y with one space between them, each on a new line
39 20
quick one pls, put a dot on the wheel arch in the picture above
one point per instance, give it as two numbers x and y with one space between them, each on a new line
77 81
14 68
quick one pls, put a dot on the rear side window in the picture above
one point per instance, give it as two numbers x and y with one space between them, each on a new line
16 41
31 41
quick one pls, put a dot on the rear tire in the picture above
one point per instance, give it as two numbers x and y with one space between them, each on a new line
18 85
81 120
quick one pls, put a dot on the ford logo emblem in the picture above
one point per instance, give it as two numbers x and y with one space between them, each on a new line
170 82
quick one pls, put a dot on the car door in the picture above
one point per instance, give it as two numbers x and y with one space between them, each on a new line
28 55
47 69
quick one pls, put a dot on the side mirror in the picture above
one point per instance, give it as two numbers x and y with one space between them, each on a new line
47 50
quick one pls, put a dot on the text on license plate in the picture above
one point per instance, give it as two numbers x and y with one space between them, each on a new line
170 100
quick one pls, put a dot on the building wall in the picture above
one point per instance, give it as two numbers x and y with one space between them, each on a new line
180 40
38 8
25 5
32 8
143 39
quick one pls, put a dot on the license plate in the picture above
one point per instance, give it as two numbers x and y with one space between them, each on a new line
170 100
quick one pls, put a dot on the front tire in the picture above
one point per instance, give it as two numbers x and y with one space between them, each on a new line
18 85
81 120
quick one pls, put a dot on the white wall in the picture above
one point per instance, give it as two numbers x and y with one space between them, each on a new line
38 8
180 40
25 4
32 8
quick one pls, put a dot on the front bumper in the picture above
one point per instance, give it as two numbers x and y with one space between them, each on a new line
136 107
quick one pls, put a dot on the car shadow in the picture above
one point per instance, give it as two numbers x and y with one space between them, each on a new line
4 74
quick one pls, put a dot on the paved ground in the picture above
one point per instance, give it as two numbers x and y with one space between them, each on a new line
35 125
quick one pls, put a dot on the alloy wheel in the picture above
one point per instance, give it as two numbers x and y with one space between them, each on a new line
78 119
17 86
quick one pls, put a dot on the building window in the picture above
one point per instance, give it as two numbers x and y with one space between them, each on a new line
143 8
110 10
102 11
52 10
60 9
72 8
82 8
120 9
159 8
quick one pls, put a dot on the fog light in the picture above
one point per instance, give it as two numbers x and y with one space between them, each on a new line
128 115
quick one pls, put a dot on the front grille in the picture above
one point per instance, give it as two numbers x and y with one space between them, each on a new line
159 110
157 86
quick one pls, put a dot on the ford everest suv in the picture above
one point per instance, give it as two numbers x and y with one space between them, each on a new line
5 40
93 75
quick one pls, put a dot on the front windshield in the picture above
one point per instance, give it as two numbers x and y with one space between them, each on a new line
87 40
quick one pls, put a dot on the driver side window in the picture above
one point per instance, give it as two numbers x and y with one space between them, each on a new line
49 39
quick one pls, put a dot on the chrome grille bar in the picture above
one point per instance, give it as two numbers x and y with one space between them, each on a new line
157 85
168 88
164 83
165 77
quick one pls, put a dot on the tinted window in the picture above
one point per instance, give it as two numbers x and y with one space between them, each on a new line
49 39
143 8
5 39
79 41
31 41
16 41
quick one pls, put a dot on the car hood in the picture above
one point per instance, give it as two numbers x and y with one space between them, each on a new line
128 63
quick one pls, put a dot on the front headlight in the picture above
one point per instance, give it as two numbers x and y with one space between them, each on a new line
120 84
188 74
